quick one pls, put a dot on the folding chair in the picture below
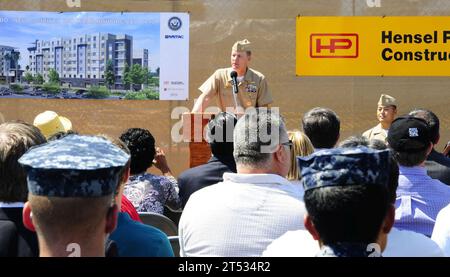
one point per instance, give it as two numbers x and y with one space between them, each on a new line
159 221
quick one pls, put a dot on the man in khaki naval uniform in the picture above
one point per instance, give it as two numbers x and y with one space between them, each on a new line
253 90
386 111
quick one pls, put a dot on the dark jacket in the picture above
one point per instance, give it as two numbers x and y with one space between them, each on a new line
15 239
438 167
204 175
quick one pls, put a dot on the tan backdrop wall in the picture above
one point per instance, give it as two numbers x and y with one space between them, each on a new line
270 25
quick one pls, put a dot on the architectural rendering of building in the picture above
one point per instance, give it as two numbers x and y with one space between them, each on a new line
80 61
140 57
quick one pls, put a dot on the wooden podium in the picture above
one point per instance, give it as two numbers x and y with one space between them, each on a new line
193 132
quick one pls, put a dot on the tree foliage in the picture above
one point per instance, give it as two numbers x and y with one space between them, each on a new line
110 77
126 75
53 76
28 77
98 92
38 79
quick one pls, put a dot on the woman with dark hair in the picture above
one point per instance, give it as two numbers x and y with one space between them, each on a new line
148 192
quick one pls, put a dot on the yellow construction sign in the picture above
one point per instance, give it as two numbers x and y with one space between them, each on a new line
373 46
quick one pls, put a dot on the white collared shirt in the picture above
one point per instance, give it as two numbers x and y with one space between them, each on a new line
441 231
240 216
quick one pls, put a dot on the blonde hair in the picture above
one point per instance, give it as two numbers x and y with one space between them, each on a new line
301 146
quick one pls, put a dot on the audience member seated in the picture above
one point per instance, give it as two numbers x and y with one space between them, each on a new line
347 201
15 139
72 183
243 214
322 126
419 197
148 192
400 243
301 146
135 239
437 165
219 135
51 123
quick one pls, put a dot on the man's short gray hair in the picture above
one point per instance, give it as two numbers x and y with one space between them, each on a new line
257 134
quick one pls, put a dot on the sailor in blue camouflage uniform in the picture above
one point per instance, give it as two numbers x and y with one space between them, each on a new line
347 200
72 183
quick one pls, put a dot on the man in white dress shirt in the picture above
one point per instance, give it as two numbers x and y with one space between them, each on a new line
243 214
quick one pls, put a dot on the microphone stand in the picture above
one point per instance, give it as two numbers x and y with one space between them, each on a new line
235 96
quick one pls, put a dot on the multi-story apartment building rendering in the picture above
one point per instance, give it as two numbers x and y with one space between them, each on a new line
8 64
80 61
140 57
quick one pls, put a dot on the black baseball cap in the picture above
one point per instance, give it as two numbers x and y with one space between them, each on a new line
409 134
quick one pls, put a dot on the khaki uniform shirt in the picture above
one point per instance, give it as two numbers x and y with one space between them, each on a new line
253 90
376 133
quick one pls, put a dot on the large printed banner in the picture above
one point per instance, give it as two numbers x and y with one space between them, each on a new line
373 46
94 55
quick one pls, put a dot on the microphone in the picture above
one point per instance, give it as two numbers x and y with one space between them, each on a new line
233 75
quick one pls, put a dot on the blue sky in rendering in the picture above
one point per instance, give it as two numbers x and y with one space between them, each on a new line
19 29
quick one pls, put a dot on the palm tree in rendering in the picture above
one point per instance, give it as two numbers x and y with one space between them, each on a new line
14 56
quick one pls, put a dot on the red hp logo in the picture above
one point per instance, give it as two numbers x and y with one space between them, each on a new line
333 46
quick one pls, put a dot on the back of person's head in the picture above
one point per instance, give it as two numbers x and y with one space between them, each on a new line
301 146
346 193
355 141
256 135
347 214
219 134
409 139
61 134
432 121
15 139
141 144
322 126
56 218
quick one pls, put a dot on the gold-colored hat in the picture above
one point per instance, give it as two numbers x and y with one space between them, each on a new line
387 100
51 123
241 46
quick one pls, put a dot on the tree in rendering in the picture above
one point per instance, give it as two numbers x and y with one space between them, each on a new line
110 77
126 80
28 77
39 80
53 76
136 75
15 56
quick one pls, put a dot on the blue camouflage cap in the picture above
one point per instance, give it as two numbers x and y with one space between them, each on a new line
344 166
74 166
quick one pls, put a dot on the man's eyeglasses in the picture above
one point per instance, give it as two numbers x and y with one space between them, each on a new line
289 143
